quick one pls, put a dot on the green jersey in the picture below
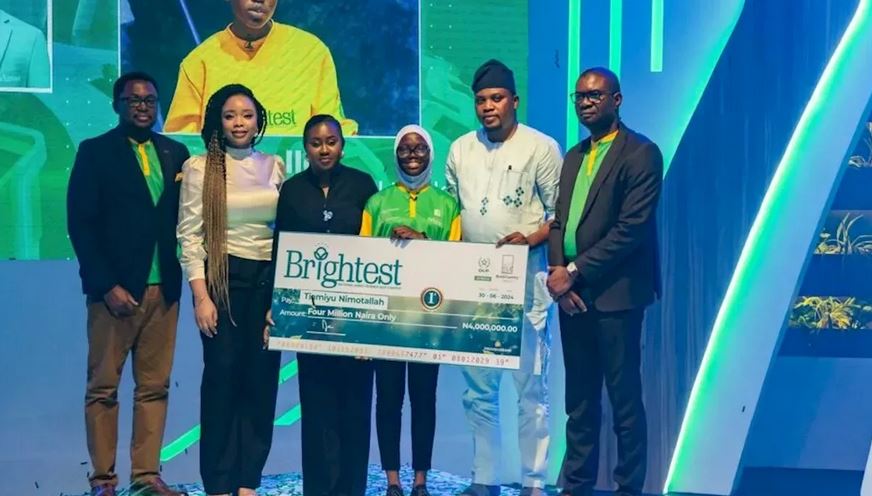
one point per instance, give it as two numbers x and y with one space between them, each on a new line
428 210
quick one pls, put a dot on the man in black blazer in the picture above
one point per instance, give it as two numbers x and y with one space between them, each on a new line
603 247
122 209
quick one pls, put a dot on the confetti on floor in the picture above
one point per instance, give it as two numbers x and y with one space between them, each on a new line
291 484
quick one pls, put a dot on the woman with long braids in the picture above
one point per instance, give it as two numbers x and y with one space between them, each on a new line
227 207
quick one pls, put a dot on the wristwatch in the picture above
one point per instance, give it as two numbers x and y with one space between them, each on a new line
572 269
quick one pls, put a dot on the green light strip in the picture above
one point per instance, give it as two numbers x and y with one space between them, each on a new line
616 22
188 439
180 444
686 105
573 64
656 35
753 254
288 371
289 417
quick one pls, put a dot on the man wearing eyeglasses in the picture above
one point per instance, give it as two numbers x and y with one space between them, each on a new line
122 209
505 177
605 271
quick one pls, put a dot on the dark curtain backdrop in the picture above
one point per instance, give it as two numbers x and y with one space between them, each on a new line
714 188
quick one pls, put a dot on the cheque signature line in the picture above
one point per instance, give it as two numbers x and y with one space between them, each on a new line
326 333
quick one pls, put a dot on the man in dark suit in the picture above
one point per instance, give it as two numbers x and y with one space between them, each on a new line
603 247
122 209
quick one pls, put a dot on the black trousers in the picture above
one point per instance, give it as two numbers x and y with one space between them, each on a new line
599 346
240 381
336 402
390 387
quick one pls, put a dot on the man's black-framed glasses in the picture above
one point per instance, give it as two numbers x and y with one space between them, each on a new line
594 96
135 101
417 150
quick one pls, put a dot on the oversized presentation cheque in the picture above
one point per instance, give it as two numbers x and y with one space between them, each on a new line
420 301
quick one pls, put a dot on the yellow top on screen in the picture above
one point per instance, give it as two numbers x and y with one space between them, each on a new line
291 72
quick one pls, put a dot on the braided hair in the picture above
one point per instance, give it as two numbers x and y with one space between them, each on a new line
215 188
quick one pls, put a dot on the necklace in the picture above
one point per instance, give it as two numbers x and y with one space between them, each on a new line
249 43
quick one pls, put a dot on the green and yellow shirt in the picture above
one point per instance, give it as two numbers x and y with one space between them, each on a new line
590 164
428 210
149 163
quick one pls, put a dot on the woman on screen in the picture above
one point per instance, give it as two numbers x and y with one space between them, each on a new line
335 392
410 209
290 69
227 205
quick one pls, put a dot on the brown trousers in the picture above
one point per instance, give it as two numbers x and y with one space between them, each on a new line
150 337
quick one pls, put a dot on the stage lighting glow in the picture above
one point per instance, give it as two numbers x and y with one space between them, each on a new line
792 167
177 446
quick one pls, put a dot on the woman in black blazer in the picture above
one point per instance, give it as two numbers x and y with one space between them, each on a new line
335 392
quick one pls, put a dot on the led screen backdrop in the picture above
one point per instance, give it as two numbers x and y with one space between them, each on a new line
414 69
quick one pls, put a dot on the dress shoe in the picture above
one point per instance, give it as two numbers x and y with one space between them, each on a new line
153 487
103 490
420 490
394 490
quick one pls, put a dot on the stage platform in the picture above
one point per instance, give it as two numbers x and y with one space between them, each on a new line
291 484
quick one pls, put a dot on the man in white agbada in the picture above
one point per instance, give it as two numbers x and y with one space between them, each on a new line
505 177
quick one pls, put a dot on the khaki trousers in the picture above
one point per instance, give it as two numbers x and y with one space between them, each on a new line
149 336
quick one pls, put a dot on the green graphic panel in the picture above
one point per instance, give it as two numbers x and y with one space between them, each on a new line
39 130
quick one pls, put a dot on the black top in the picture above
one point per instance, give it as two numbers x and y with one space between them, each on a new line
303 207
113 223
618 262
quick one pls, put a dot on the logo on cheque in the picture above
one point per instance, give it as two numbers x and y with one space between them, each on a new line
431 298
341 269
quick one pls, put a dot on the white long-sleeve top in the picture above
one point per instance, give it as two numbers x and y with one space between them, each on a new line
253 182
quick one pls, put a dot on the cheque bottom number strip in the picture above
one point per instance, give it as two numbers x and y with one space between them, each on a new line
484 359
